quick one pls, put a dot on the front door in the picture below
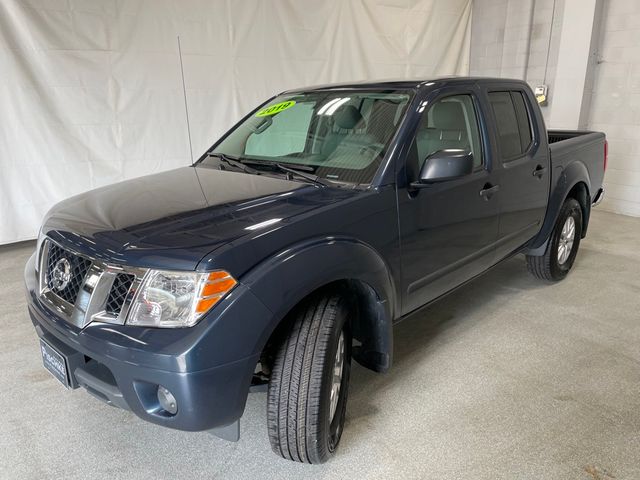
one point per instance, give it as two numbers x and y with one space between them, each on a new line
448 229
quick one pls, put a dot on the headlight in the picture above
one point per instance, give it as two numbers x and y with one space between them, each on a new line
177 299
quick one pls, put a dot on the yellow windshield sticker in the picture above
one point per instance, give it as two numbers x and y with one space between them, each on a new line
277 108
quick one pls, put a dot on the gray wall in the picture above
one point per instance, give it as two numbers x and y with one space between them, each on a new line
512 38
615 104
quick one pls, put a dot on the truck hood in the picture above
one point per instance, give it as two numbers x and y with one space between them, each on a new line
172 219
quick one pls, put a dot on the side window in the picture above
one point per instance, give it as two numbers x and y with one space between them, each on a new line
506 124
512 122
524 125
451 122
287 133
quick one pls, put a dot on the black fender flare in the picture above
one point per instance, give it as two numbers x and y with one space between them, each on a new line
286 278
572 175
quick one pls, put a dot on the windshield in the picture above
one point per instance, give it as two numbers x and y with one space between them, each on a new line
338 135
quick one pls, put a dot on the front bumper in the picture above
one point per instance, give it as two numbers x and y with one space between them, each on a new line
124 366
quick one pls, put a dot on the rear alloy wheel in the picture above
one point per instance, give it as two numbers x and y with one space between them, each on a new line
307 397
563 245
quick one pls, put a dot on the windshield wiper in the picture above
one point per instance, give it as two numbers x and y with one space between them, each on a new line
298 171
307 176
243 164
234 162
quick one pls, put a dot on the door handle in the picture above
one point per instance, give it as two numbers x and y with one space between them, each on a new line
488 190
539 171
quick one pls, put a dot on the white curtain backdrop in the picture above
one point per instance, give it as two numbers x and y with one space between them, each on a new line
91 93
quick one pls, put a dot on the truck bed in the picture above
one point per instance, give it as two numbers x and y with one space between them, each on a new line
584 146
571 149
561 135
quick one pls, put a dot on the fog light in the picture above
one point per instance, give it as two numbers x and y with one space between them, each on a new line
167 400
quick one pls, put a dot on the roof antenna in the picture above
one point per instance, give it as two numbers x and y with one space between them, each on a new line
184 92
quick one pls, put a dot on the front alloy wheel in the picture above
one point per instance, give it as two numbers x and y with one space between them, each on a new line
338 369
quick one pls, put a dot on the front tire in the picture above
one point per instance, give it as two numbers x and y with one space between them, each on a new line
563 245
307 396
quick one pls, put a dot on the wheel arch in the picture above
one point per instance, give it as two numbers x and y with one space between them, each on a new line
580 192
572 183
343 264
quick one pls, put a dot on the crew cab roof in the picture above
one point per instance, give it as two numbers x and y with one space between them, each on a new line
403 83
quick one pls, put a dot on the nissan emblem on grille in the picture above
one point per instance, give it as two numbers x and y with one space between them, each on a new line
82 289
61 274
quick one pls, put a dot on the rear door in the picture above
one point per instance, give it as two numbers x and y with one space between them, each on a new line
523 166
448 229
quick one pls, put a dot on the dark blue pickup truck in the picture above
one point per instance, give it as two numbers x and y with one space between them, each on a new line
295 243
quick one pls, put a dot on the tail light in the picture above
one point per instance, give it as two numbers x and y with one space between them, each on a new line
606 154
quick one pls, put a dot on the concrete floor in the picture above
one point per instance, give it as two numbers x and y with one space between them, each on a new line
507 378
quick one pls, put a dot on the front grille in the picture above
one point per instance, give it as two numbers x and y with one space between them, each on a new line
118 293
79 269
81 289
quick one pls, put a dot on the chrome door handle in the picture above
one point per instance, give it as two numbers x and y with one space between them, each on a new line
539 171
488 191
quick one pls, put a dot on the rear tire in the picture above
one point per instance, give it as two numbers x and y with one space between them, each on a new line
563 245
304 424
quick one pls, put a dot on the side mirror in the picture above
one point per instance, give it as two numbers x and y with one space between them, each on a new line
445 165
